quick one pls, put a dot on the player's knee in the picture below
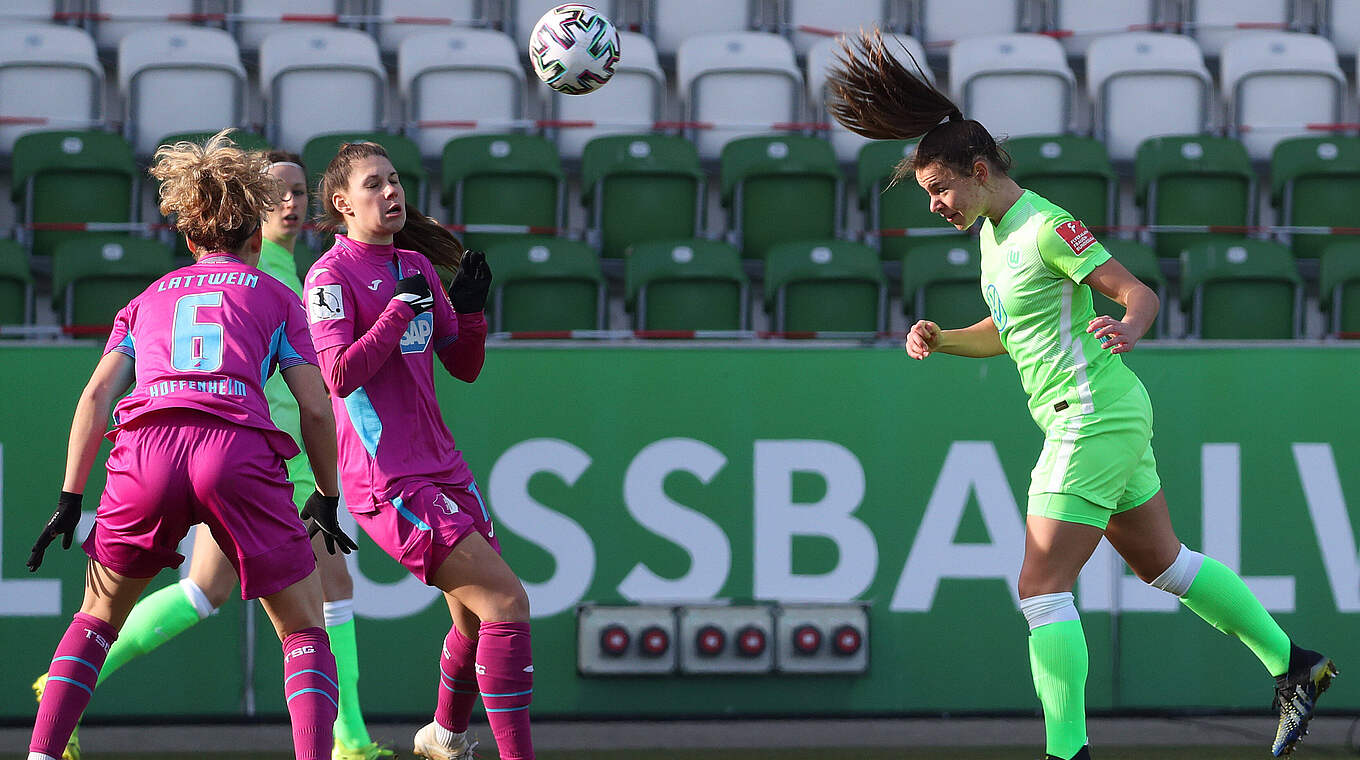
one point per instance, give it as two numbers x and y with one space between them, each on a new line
509 605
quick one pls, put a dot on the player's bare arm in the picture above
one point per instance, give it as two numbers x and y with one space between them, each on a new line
1139 302
112 377
977 341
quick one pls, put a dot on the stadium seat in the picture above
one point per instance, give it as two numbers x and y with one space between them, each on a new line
941 282
1339 287
244 140
545 284
811 22
671 22
692 284
825 286
779 189
304 256
502 179
1341 25
178 79
95 277
1144 85
16 284
251 33
939 23
452 77
50 78
1141 261
1275 83
823 56
905 206
303 72
1315 181
403 18
319 151
1073 172
630 104
72 177
1093 20
523 14
109 30
1215 23
1197 179
641 188
1240 289
1015 84
744 78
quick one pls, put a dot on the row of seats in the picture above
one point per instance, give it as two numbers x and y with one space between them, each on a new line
456 82
545 284
640 188
668 22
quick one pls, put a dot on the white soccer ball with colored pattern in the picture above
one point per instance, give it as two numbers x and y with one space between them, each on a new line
574 49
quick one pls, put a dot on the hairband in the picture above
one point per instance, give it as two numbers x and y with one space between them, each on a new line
286 163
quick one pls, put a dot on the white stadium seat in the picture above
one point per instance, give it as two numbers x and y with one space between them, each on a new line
109 32
673 21
459 75
320 80
526 13
747 78
845 17
1343 26
1094 19
943 21
1215 22
48 73
1146 85
634 96
824 55
1277 82
250 34
1015 84
178 79
390 33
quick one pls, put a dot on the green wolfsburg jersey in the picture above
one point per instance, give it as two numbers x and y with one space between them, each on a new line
1033 263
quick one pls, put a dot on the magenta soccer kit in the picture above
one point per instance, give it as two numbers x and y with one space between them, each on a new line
193 441
403 478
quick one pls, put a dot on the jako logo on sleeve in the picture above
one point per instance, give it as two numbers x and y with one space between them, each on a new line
324 303
417 336
1077 237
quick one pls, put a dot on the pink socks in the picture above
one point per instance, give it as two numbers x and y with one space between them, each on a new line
310 687
505 674
457 681
70 682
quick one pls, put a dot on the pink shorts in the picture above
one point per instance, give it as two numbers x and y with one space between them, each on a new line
420 527
172 469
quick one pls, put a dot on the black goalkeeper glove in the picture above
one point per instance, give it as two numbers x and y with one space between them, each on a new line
321 511
470 286
415 291
63 523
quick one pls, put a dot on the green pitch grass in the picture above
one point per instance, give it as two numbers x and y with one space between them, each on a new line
970 753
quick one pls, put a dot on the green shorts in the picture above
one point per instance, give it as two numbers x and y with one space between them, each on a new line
1095 466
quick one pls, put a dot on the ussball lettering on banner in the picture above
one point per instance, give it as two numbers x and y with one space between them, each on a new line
574 49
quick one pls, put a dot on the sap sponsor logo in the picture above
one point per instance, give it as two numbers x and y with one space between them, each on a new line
309 649
417 336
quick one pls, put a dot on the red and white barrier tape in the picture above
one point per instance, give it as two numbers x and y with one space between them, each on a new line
1161 26
641 126
616 335
1219 229
218 18
1340 126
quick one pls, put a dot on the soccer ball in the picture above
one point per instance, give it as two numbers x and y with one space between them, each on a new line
574 49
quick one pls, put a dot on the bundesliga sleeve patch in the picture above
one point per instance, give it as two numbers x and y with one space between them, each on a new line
1077 237
324 303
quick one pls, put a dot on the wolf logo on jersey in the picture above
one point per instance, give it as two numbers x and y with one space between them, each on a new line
417 336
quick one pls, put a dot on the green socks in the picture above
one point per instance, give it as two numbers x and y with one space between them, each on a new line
1219 595
1058 662
349 723
154 621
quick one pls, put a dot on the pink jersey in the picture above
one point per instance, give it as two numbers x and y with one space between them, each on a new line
390 427
206 337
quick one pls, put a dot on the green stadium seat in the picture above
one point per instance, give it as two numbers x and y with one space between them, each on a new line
1194 179
305 256
16 284
640 188
825 286
904 207
1073 172
318 152
1315 181
1339 287
94 277
1236 288
941 282
545 284
779 189
72 177
502 179
692 284
1141 261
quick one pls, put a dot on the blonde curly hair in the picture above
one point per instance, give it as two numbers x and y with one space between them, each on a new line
217 192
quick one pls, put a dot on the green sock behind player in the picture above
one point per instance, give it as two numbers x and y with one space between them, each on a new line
155 620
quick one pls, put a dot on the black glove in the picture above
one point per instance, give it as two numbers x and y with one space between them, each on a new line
470 286
321 511
63 523
415 291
